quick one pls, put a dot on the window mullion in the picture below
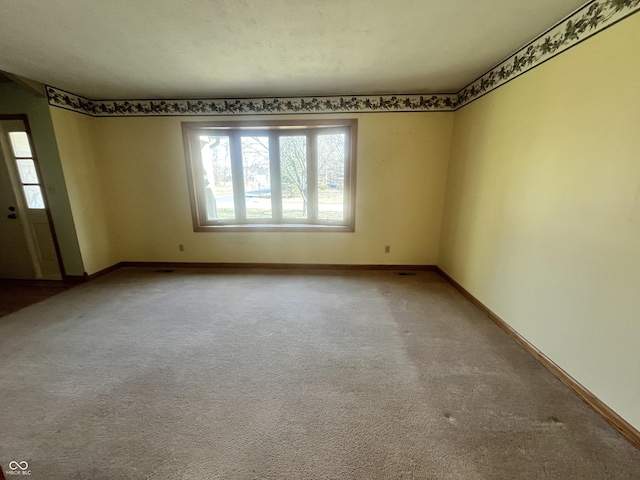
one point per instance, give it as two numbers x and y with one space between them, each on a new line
237 176
312 177
276 180
347 207
198 172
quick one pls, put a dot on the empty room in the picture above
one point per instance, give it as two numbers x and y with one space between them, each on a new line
320 239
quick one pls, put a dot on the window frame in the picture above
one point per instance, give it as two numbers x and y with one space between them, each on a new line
274 129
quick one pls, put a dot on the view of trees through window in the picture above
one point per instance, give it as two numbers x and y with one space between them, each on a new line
250 191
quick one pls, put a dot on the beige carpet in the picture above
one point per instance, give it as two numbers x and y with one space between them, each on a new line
276 374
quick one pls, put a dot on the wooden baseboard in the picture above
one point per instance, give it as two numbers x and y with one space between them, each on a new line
619 423
102 272
294 266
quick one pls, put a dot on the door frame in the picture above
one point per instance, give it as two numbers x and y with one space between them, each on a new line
25 119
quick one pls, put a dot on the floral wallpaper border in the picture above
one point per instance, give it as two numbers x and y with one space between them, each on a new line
592 18
252 106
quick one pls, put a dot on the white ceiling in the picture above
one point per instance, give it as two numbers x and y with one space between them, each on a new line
116 49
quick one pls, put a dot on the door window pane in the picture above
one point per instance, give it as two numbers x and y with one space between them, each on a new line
218 184
33 194
27 170
257 181
331 167
20 144
293 170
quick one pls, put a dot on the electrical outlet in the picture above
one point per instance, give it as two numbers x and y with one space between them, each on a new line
181 247
387 249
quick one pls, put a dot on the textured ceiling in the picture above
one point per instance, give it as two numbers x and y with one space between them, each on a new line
247 48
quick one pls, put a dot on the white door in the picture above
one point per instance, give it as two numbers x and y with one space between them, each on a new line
26 243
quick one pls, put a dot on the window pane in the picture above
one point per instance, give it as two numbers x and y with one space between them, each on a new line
27 171
331 166
20 143
218 186
257 182
293 168
33 194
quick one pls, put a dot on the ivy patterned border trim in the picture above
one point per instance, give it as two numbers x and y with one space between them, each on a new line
251 106
590 19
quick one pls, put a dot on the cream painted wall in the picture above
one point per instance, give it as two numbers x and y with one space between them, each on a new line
88 193
401 173
542 213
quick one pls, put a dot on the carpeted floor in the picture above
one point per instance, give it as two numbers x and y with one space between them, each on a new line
280 374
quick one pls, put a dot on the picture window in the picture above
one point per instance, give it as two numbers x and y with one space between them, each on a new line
296 176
